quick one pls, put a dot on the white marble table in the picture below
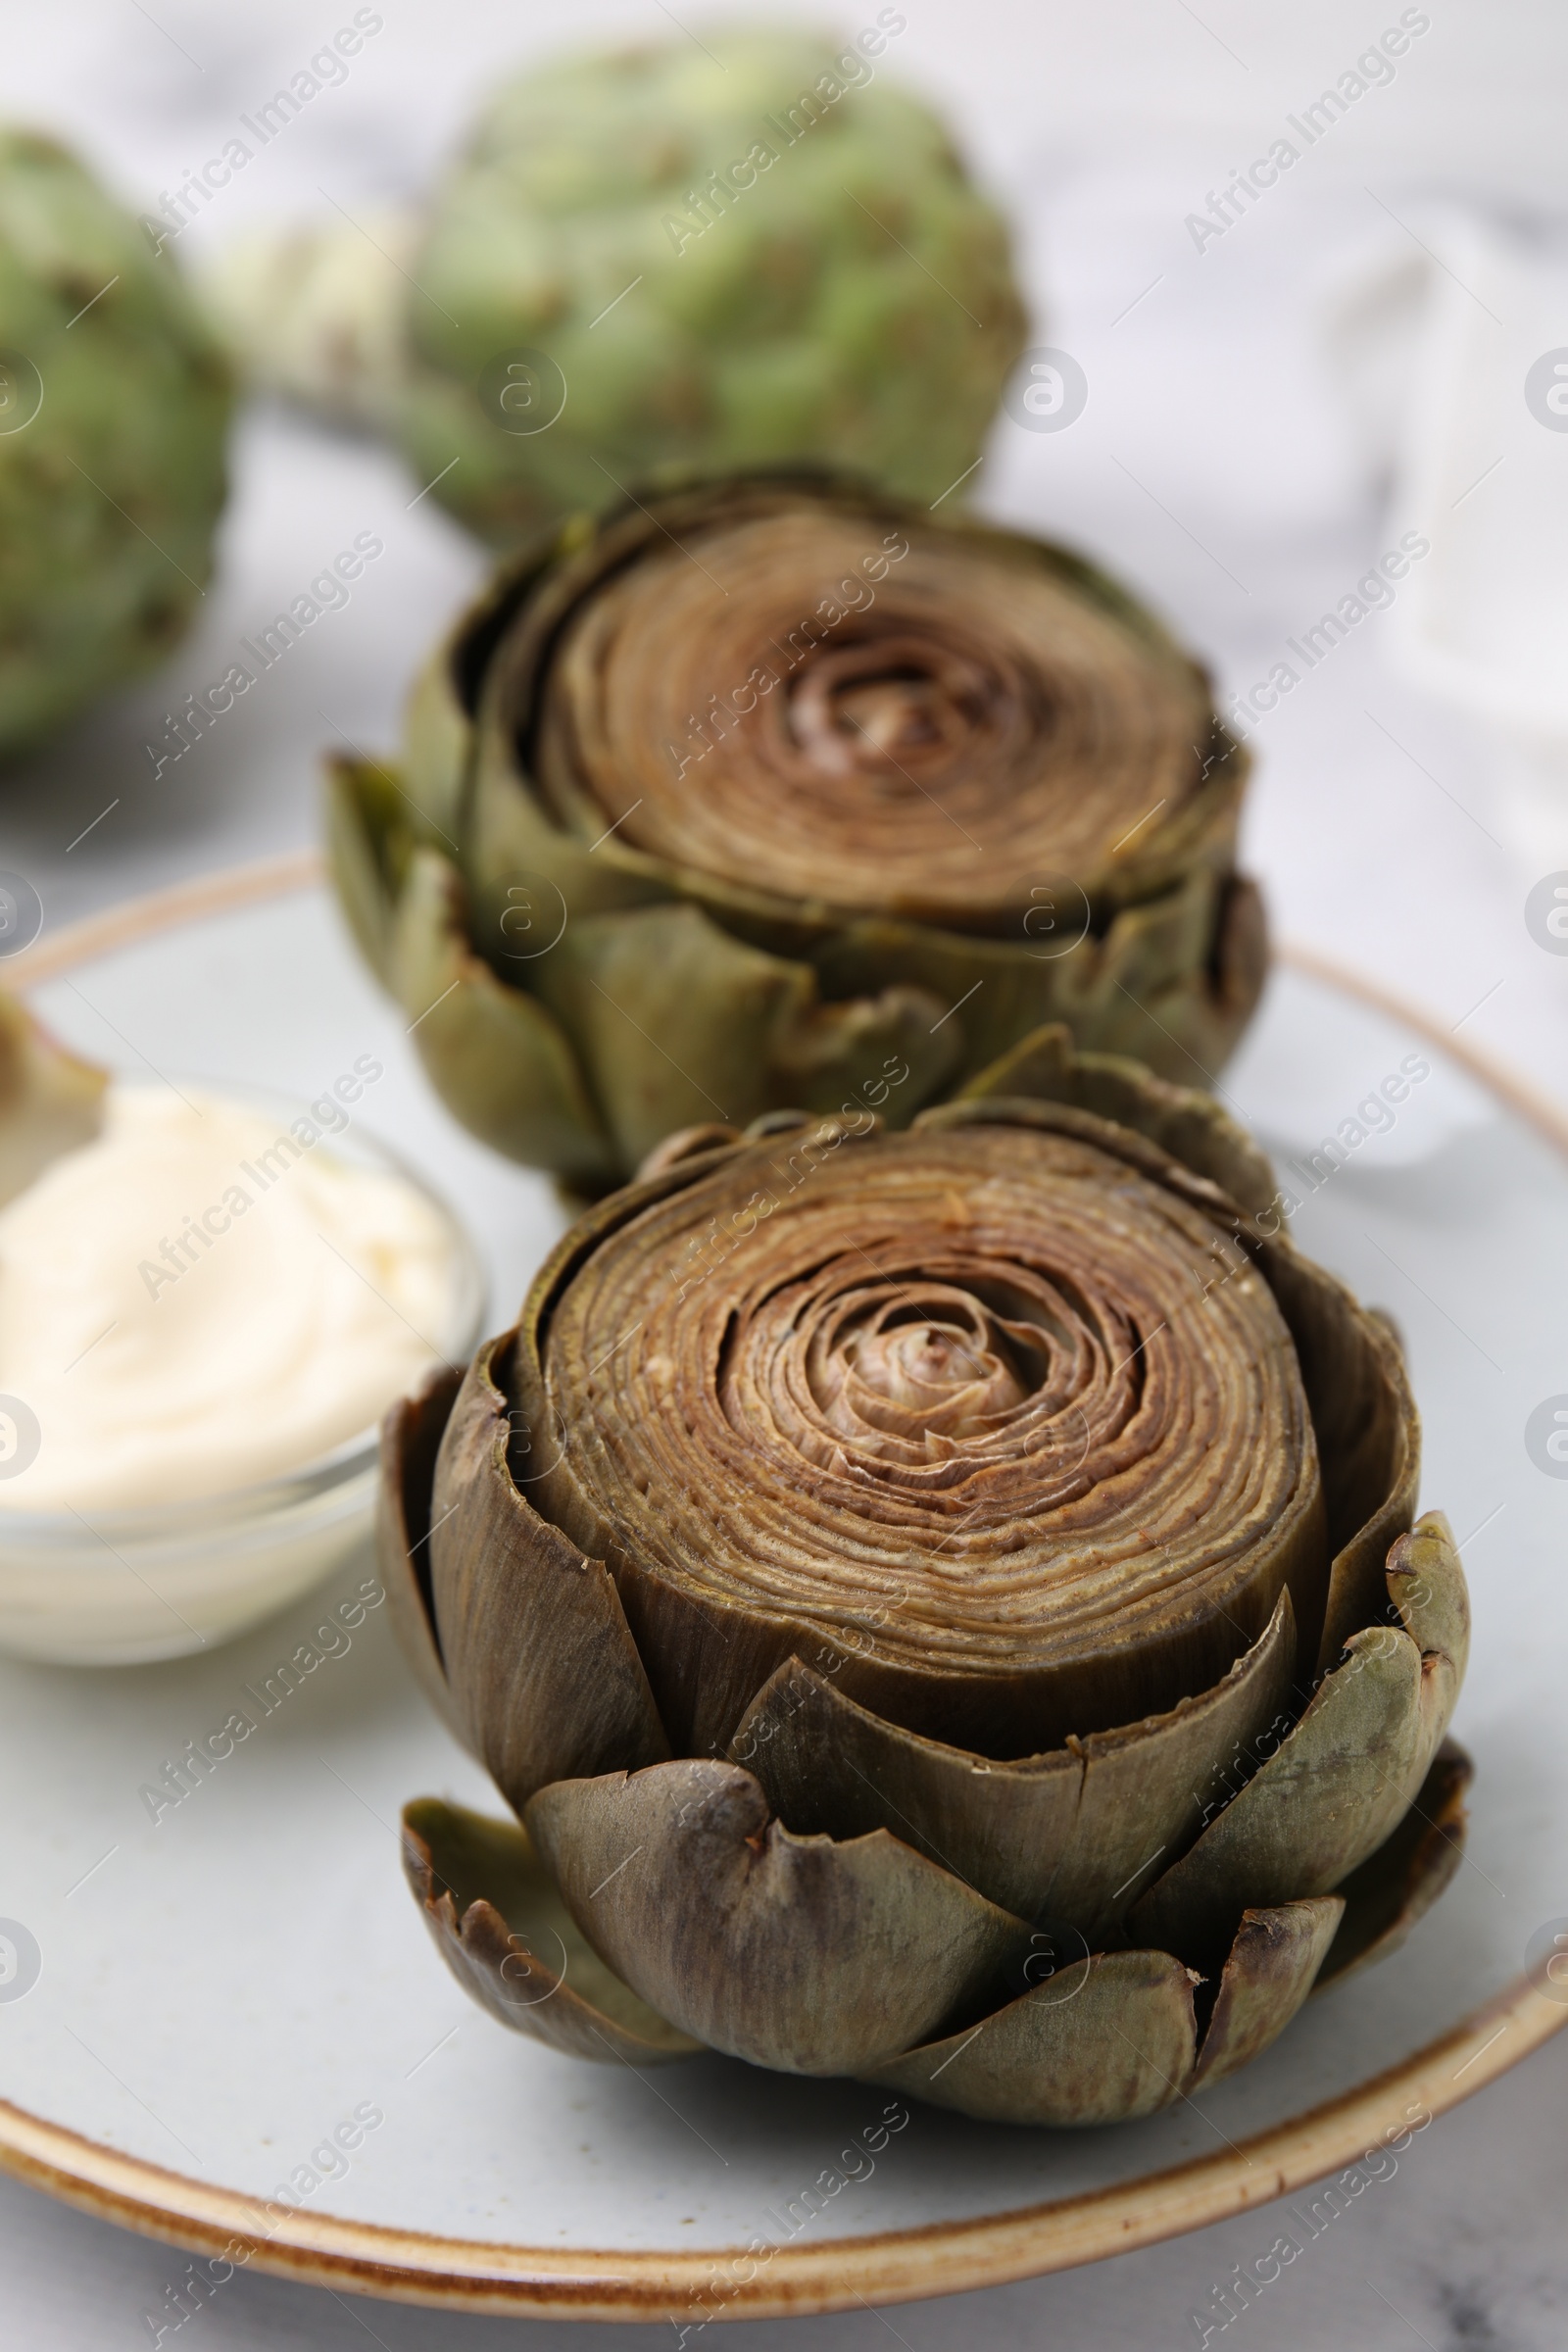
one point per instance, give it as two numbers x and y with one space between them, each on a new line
1218 463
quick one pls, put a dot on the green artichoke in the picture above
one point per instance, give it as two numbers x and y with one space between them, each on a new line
777 793
945 1604
729 252
113 406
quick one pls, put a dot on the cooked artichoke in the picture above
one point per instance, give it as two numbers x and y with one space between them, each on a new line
945 1607
729 252
778 792
113 405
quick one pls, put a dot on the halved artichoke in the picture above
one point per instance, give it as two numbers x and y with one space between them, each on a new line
778 792
945 1607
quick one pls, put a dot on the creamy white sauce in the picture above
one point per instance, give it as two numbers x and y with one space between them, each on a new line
188 1305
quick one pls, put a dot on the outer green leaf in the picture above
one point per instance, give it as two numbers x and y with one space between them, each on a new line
1340 1783
1368 1437
1072 1834
503 1930
1141 989
891 1049
1427 1587
1272 1966
682 1023
794 1952
497 1059
543 1670
1396 1886
437 745
368 841
1102 2042
509 832
1325 1801
675 1020
410 1437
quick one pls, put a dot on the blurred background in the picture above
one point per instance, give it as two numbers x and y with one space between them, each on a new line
1275 393
1268 407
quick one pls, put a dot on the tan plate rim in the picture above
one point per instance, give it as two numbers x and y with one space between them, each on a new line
411 2265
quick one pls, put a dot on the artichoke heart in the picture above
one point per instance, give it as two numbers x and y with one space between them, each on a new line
947 1426
774 793
944 1605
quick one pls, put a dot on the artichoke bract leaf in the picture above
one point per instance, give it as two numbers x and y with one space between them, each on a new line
682 1023
1323 1801
368 842
1187 1124
499 1060
1146 1786
686 1144
1105 2041
1345 1778
893 1049
509 833
831 1766
542 1667
1240 957
51 1100
1427 1587
1396 1886
1272 1966
437 745
1147 990
1109 2039
1070 1834
498 1921
410 1439
1368 1435
1141 988
798 1953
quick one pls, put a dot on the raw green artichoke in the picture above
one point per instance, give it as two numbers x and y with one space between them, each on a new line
730 251
945 1607
113 405
776 792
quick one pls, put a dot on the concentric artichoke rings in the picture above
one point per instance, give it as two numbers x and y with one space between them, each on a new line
900 1580
777 793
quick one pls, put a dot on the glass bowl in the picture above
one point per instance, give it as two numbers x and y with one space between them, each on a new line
128 1587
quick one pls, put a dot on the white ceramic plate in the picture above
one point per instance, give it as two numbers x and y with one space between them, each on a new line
193 2004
